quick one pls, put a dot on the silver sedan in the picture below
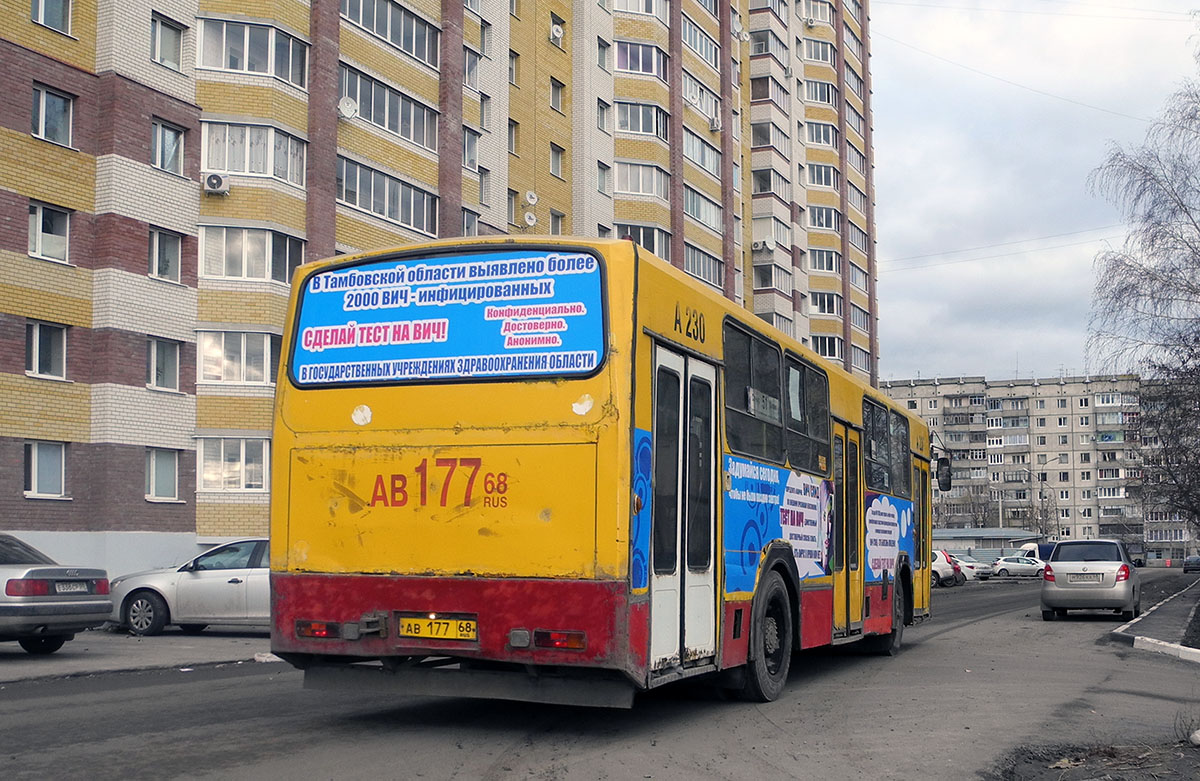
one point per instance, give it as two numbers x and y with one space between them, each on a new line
1091 574
227 585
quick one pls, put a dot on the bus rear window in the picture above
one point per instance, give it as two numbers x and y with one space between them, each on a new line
442 317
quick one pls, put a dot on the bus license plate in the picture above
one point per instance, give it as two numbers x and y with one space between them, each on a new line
1087 577
438 628
71 587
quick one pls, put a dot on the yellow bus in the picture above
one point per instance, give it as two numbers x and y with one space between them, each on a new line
563 470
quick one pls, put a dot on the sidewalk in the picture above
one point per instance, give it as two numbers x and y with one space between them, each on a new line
1161 627
102 651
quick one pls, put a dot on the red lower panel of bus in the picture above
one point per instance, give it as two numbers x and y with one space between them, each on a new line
816 617
878 620
598 609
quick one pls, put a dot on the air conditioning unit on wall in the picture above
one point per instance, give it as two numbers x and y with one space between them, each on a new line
764 245
216 184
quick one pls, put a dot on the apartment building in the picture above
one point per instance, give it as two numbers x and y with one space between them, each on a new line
166 164
1060 456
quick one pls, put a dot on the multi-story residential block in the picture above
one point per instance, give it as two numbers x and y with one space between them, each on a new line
1060 456
166 164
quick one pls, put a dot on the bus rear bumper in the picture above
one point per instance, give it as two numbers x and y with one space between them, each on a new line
597 690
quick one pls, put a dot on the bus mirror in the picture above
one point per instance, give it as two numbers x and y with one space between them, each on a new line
943 474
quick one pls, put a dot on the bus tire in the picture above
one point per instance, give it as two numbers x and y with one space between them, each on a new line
770 641
889 644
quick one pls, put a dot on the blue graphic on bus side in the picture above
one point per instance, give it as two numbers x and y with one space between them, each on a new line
889 523
639 536
480 314
764 503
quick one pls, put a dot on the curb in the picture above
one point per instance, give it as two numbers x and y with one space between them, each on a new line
1121 635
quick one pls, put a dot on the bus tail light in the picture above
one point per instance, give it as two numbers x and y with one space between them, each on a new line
1123 573
1048 574
320 630
574 641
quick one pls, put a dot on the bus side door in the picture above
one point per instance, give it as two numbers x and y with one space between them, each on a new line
683 604
847 544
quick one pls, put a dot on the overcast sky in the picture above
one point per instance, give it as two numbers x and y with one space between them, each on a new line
987 124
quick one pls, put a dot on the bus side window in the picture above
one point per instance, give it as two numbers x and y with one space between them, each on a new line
807 418
839 506
876 448
901 454
754 418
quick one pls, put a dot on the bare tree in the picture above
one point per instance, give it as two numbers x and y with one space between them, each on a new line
1146 303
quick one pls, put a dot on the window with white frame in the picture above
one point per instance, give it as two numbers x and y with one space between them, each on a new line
165 254
857 158
237 357
48 231
767 88
768 276
470 68
45 469
162 364
767 42
642 179
603 115
512 207
857 198
386 196
228 464
166 42
828 346
825 303
858 237
821 92
514 61
858 276
703 265
822 134
699 41
249 253
256 150
254 48
166 147
659 8
853 42
387 107
557 154
470 149
644 58
55 14
769 134
820 175
702 209
770 181
557 222
652 238
705 100
51 117
702 153
162 473
603 177
824 218
397 24
818 51
853 80
643 119
856 120
819 10
860 358
514 132
46 350
860 318
602 53
824 260
470 225
557 91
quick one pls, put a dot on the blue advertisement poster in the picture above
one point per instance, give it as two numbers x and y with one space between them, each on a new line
889 531
764 503
507 313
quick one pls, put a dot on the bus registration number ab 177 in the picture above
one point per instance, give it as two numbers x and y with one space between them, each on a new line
437 628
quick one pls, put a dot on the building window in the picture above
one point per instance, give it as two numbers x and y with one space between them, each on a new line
166 147
602 175
249 253
702 209
162 364
233 464
46 350
255 150
644 58
388 108
825 218
232 356
51 118
823 175
655 240
45 467
643 118
48 232
254 48
514 130
162 470
470 149
860 358
826 303
557 221
657 8
701 153
512 207
825 260
556 94
556 160
470 68
699 41
642 179
828 346
166 42
485 186
818 51
822 134
603 112
395 23
513 59
557 21
602 53
703 265
55 14
470 223
386 196
165 254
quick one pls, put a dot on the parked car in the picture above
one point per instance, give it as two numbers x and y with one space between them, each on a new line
1018 565
944 571
1091 574
1191 564
972 568
226 585
45 604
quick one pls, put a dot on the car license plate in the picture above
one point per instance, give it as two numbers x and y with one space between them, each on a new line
71 587
439 628
1087 577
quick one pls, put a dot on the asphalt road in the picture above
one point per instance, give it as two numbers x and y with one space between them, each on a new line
985 676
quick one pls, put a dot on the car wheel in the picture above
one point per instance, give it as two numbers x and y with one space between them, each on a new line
192 629
959 579
1048 615
39 646
146 613
936 580
1003 573
1039 573
771 642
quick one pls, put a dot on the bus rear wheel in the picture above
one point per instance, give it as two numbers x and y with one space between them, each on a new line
770 642
889 644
